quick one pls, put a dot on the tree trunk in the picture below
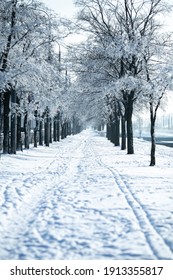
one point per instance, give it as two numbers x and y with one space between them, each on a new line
123 133
36 129
113 132
27 131
130 149
35 137
116 119
117 131
153 140
46 130
99 128
47 127
55 128
19 129
63 131
69 128
13 122
129 112
58 127
50 128
1 114
74 126
41 132
19 133
108 131
66 129
6 122
1 122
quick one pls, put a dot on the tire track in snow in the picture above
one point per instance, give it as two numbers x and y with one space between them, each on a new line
157 244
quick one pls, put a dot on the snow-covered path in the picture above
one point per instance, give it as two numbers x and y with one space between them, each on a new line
80 199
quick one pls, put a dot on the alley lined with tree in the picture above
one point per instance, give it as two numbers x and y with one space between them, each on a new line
32 75
122 66
75 182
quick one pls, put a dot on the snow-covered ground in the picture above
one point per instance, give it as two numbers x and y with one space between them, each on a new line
82 198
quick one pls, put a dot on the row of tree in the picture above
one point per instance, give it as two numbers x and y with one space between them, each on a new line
125 63
34 82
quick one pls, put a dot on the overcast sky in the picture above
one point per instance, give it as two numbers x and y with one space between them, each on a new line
64 8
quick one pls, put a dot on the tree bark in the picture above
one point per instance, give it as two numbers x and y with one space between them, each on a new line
19 129
46 131
1 122
13 122
130 148
108 132
123 133
99 128
47 128
6 122
1 114
153 140
50 130
117 131
128 113
58 126
55 128
36 129
19 133
63 131
41 132
27 131
113 132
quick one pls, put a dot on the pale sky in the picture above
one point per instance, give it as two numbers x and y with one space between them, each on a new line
64 8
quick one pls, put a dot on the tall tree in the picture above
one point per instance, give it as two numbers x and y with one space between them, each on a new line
122 30
28 31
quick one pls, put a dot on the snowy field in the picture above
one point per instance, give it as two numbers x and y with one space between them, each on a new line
82 198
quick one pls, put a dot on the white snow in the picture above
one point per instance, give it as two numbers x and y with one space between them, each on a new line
83 198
